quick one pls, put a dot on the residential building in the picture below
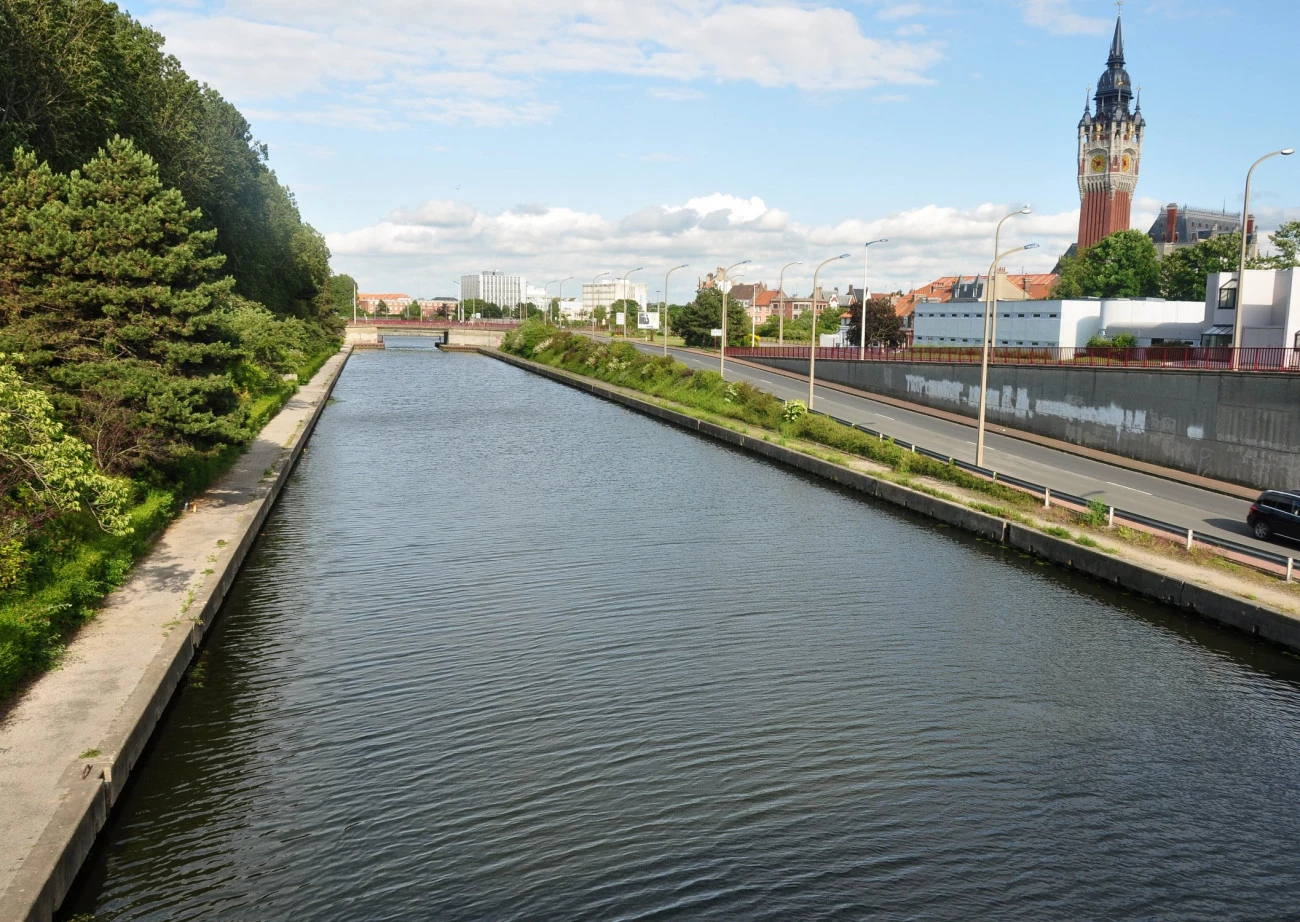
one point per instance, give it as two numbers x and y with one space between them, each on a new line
1270 308
605 293
744 295
764 305
1180 226
1109 151
394 302
795 305
437 307
494 287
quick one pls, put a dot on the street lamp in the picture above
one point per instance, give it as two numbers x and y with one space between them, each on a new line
665 317
625 298
594 280
1241 273
559 297
812 352
780 289
984 361
862 307
354 301
722 342
460 304
991 326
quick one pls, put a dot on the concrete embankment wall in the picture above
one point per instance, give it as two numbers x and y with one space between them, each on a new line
123 668
1242 614
1243 428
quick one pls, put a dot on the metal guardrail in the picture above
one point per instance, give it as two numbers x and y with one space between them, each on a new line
1265 561
1174 358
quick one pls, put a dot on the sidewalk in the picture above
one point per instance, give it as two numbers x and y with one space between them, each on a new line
68 745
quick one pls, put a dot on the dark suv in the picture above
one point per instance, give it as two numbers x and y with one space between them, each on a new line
1276 512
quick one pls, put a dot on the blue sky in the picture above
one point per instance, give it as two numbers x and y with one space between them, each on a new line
555 139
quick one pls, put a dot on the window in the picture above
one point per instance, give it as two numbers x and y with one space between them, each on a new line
1020 316
1228 297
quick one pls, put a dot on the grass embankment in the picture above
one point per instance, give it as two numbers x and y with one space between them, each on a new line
623 365
72 564
707 395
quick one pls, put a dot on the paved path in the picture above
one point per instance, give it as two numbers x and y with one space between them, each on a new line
73 735
1163 498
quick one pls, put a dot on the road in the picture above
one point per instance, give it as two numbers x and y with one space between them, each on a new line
1167 500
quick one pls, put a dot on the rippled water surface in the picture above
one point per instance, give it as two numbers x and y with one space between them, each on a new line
505 651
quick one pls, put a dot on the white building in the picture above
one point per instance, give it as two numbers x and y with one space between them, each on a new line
494 287
1061 323
1270 308
571 308
603 294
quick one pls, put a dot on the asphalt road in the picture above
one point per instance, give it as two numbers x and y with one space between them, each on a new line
1167 500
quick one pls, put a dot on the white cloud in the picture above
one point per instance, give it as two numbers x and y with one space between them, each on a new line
421 248
1059 18
486 61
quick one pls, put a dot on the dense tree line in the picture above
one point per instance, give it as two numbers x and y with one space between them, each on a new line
1127 265
159 295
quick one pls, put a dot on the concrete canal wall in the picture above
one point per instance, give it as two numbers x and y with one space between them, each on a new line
69 744
1242 428
1241 614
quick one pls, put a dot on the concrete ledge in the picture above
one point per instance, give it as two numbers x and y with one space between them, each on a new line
1224 609
89 788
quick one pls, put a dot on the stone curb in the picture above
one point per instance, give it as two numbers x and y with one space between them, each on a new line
1252 618
48 871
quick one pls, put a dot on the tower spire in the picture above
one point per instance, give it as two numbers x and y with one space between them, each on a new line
1117 43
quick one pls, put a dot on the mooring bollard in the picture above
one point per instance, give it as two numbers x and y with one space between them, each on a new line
1047 497
1189 539
1110 518
1290 568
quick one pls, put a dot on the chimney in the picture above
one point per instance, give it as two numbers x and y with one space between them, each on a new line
1171 223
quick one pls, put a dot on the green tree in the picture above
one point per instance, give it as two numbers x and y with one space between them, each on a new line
599 313
381 308
884 327
1286 241
112 298
338 294
703 315
45 472
1184 271
1122 265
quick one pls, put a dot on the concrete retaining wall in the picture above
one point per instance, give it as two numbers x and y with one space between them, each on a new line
1244 615
1242 428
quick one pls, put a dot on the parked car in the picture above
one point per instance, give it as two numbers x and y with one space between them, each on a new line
1276 512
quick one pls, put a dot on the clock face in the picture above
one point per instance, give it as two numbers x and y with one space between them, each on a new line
1125 163
1098 163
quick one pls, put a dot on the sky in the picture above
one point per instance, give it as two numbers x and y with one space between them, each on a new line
430 139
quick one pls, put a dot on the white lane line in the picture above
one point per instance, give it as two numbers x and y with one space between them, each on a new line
970 443
890 418
1123 487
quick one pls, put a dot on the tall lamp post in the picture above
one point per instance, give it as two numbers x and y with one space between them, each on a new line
780 289
984 361
812 339
594 280
1241 269
862 308
725 279
354 301
990 289
664 319
626 299
559 297
460 312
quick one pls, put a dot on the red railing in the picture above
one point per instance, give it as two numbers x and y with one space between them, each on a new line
1213 358
441 324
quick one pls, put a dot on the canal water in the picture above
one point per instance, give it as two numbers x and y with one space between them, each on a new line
505 651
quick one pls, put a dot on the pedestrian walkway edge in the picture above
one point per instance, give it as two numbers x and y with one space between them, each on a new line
89 787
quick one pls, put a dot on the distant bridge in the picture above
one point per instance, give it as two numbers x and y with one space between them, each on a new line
370 334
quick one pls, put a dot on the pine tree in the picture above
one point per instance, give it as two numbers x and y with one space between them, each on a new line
111 297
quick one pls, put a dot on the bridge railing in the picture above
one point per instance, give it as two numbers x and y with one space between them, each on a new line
1193 358
438 324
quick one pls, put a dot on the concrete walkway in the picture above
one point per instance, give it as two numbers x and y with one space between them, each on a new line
68 745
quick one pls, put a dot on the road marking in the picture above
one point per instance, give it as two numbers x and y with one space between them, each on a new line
1123 487
890 418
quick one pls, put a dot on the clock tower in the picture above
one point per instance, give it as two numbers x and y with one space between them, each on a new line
1110 149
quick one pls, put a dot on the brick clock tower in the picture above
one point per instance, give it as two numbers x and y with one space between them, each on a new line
1110 149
